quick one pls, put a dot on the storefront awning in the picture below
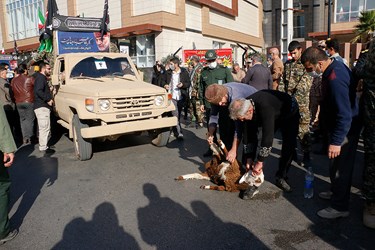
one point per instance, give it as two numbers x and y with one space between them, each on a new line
25 48
135 30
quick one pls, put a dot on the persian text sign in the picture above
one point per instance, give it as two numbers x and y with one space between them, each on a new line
224 54
75 42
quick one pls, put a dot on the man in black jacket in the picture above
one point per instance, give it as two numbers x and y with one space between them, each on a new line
42 106
177 84
270 110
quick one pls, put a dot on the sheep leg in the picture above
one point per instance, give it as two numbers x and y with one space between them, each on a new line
209 187
195 176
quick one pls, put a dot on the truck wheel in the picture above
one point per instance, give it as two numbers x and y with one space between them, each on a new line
162 137
83 147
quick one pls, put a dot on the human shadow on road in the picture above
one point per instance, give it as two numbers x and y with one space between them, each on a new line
165 224
190 148
29 174
102 232
343 233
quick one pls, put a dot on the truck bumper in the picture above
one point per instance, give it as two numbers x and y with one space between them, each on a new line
128 127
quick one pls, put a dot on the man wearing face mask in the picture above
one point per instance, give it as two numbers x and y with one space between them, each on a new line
339 113
213 73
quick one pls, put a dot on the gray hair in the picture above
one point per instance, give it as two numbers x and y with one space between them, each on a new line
239 107
256 57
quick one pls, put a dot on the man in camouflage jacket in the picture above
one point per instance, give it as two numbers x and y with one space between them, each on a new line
195 104
297 82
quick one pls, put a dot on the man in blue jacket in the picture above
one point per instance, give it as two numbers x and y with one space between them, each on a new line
339 117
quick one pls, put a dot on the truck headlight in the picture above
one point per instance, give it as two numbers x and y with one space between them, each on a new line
159 100
104 104
89 104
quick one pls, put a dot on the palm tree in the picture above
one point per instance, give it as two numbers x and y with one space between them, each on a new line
366 26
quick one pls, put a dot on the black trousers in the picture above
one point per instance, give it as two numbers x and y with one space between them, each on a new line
289 131
341 168
4 198
226 127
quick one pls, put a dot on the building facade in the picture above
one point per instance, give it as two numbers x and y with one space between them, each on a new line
310 21
148 30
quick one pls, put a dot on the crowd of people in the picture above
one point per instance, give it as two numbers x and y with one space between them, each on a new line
24 98
314 91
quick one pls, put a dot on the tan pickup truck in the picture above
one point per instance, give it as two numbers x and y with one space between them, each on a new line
101 95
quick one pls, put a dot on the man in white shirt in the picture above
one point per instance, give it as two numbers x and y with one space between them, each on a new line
177 84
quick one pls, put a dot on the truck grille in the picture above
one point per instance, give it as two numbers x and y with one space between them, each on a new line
132 102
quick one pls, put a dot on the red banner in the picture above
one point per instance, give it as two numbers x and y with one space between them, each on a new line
224 54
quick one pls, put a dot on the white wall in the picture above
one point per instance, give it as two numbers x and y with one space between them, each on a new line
247 21
193 16
227 3
62 5
94 8
141 7
1 39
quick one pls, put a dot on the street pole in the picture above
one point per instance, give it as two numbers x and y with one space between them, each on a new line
329 19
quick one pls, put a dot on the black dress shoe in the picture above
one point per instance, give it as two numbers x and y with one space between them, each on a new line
11 235
283 185
250 193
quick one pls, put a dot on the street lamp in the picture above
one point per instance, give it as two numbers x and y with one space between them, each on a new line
329 19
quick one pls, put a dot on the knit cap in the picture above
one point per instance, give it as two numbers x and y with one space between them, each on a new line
215 93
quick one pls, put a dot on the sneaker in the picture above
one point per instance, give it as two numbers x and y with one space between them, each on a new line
26 141
250 193
199 125
48 151
283 185
11 235
325 195
369 215
330 213
180 136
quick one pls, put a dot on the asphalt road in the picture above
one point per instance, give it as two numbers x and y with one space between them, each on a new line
126 197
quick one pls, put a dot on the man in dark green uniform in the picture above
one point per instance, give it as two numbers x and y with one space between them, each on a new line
213 73
7 147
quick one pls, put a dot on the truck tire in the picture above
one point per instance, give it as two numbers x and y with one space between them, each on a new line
162 137
83 147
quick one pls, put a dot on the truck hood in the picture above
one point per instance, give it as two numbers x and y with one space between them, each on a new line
111 88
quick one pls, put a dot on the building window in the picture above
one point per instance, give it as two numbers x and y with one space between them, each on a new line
298 26
22 17
141 50
349 10
217 45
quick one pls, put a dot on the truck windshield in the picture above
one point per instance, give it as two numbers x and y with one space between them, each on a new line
96 68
